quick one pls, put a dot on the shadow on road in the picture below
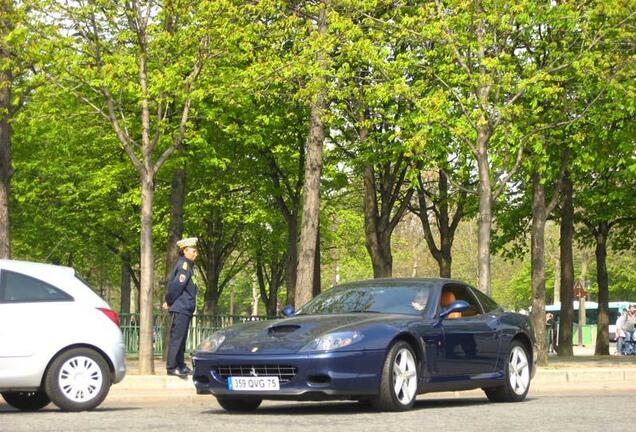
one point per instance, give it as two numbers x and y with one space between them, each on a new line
8 409
346 408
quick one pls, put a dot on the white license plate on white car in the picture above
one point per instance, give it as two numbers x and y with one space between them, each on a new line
268 383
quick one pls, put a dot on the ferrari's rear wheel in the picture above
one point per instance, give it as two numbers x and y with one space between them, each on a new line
398 385
517 382
239 405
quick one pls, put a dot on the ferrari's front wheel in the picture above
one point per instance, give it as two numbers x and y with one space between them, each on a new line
398 383
517 377
239 405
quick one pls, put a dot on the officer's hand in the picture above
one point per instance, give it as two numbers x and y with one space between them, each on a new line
164 306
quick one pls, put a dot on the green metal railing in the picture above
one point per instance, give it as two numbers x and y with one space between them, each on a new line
201 327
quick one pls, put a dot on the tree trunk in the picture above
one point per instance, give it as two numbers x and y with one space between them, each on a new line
6 170
175 231
124 307
446 228
271 302
291 262
213 274
270 297
538 268
377 239
602 335
213 255
443 254
557 280
311 190
317 281
485 215
146 363
567 270
211 302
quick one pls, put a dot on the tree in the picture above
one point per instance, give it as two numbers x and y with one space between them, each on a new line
19 56
220 210
7 14
367 126
120 62
605 204
81 210
437 201
567 267
482 56
269 263
310 220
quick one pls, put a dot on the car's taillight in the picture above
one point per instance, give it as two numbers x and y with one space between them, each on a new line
111 314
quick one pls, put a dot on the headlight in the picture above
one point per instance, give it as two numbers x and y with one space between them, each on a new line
333 341
212 343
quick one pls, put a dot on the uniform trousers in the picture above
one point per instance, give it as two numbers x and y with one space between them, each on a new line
178 336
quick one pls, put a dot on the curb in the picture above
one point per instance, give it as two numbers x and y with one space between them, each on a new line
545 378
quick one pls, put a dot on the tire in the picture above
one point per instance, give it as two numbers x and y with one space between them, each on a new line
517 377
399 380
26 400
78 380
239 405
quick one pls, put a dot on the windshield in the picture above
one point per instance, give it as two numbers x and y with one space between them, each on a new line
400 299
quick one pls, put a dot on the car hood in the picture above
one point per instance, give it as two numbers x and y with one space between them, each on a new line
291 334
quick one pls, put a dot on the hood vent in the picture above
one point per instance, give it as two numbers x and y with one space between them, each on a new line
283 329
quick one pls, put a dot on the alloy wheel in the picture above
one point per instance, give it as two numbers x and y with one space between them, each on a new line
404 376
518 370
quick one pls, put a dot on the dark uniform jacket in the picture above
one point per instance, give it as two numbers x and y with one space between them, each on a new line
182 291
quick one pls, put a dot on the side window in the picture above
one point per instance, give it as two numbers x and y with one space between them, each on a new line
461 292
19 288
488 304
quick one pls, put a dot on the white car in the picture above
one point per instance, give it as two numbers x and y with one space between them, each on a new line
59 341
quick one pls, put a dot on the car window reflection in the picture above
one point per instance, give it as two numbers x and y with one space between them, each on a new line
411 300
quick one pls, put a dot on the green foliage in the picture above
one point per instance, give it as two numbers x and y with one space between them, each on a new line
559 76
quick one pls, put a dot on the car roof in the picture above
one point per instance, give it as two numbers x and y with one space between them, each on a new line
37 269
400 281
59 276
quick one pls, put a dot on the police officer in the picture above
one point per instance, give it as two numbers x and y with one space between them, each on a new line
181 301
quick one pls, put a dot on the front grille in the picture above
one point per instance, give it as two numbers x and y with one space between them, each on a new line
283 372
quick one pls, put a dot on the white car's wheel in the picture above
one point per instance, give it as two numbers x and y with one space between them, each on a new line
26 400
517 377
399 381
78 380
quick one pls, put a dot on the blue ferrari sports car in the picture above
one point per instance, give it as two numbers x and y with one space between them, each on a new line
381 342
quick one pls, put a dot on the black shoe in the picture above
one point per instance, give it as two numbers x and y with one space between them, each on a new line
176 372
186 370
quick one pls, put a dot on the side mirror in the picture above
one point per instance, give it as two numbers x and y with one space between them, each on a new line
456 306
288 311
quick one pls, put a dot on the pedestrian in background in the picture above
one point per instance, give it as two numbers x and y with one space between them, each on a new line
629 327
549 332
620 333
181 299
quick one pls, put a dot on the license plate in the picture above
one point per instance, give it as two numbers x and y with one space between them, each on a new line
253 383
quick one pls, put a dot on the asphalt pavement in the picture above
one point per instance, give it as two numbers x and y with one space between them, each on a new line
583 392
567 411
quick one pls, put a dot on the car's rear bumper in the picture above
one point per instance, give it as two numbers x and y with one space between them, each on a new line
119 363
318 375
